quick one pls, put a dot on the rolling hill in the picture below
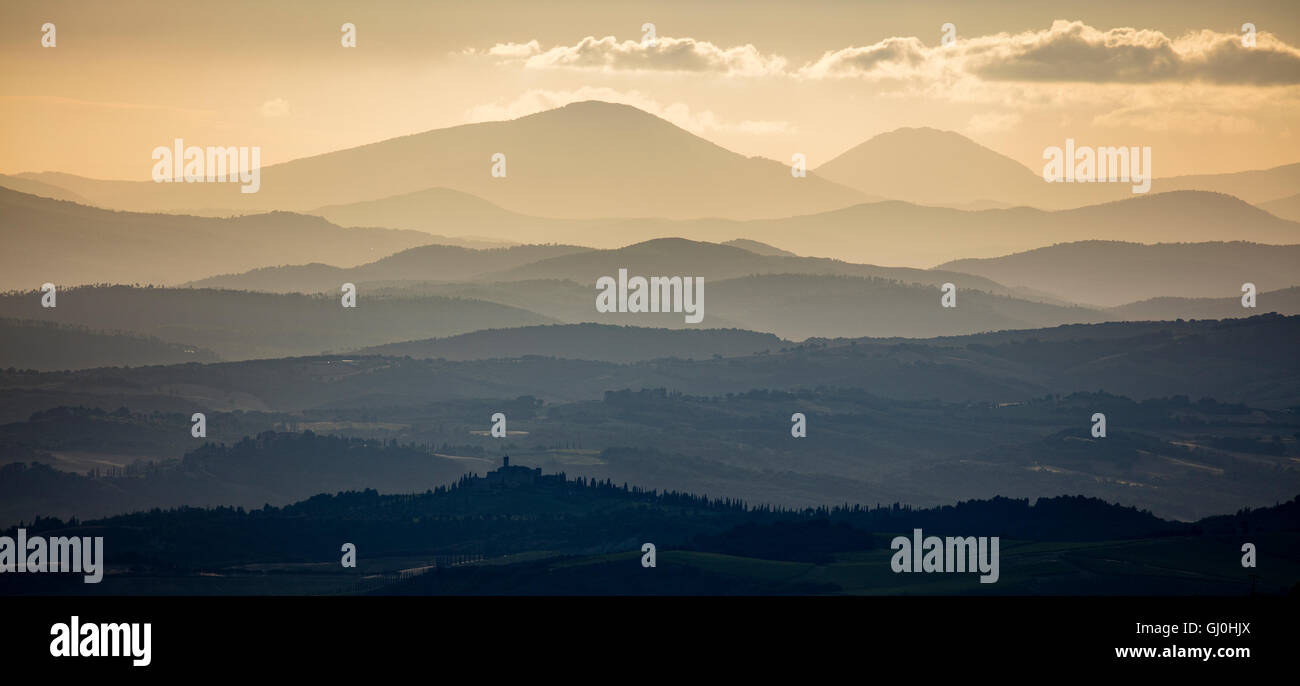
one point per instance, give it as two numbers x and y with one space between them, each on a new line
431 210
891 232
597 342
65 243
47 346
715 262
241 325
1286 208
1112 273
1285 301
425 263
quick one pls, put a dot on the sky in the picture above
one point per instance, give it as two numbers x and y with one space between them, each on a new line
755 76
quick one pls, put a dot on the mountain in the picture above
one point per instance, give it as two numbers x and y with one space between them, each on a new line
240 325
40 188
891 232
790 305
759 248
1256 186
715 262
1286 208
598 342
904 234
65 243
584 160
432 210
932 167
1112 273
425 263
46 346
1285 301
942 168
799 306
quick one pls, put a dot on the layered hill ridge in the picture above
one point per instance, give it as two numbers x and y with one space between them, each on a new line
583 160
1113 273
593 160
65 243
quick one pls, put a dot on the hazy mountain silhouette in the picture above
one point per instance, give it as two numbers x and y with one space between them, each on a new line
40 188
433 210
47 346
559 299
65 243
1286 208
942 168
242 325
932 167
904 234
425 263
587 159
791 305
1112 273
1284 301
1256 186
586 342
596 159
759 248
799 306
715 262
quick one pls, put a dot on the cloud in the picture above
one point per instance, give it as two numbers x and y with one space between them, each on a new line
513 50
890 58
699 122
1071 52
278 107
1066 52
1182 119
665 54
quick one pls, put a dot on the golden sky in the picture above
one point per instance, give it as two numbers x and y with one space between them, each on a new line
758 77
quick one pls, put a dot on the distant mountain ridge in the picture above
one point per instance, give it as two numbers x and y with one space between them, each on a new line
584 160
1113 273
423 263
66 244
600 342
942 168
627 163
243 325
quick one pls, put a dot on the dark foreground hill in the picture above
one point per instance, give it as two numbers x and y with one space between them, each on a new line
518 531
